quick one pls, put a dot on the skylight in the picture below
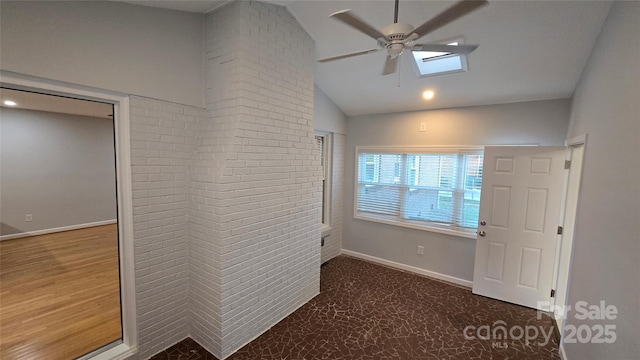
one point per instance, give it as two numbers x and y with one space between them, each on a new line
429 63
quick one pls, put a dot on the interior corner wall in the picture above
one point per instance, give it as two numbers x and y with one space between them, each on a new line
606 250
59 168
163 141
537 122
215 141
327 117
255 189
110 45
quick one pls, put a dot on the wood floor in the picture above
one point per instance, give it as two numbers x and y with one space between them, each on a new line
59 294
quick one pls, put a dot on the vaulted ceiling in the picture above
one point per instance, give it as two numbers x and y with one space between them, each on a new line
529 50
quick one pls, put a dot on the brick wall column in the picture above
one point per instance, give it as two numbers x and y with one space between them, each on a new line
255 180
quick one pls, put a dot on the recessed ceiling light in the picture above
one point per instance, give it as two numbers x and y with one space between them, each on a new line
428 95
10 103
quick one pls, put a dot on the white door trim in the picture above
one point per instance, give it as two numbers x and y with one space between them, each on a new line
578 140
124 194
574 142
569 144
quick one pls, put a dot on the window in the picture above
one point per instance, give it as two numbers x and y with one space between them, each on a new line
431 188
323 142
430 63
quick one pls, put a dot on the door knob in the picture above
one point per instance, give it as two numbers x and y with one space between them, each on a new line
482 233
483 223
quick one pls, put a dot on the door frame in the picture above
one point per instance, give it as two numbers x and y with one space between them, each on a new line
120 103
574 142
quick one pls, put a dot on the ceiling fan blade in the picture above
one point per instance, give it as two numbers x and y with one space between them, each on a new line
453 13
390 65
355 22
449 49
344 56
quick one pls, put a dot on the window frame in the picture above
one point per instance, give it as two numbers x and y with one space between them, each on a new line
409 223
464 67
327 174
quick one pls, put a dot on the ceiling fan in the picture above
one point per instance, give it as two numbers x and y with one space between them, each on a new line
398 37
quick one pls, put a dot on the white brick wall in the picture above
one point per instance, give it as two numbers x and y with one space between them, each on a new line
254 188
227 200
163 138
333 243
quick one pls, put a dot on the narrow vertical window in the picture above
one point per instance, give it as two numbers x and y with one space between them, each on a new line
323 143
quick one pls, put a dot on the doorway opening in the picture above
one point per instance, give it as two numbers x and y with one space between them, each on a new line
59 263
108 243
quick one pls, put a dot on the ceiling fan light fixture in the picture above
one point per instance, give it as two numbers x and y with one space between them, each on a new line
395 50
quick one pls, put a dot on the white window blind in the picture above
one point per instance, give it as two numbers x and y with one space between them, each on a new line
433 188
320 145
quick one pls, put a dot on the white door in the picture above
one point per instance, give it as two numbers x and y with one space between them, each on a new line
518 223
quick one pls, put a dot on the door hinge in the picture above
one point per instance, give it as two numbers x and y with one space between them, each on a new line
560 230
567 164
553 293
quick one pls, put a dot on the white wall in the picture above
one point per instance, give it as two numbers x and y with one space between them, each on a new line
606 255
327 116
58 167
538 122
138 50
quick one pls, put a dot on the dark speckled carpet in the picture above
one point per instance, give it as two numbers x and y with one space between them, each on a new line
367 311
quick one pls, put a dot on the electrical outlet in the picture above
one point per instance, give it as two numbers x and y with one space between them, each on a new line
28 218
423 126
421 250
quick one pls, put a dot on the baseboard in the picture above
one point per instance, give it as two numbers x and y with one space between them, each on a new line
409 268
58 229
282 318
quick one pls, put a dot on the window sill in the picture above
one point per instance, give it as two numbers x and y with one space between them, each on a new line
325 230
413 225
